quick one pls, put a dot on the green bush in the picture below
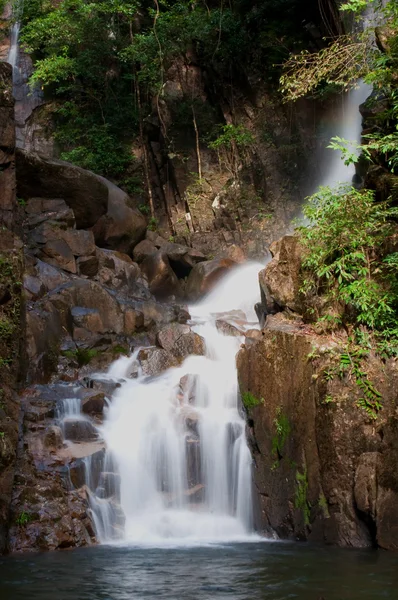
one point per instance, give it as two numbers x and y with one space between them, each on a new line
344 256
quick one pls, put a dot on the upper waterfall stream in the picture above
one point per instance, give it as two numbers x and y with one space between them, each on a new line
176 446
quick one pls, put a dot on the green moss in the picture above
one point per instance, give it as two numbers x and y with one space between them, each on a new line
300 500
83 356
119 349
23 518
282 431
323 505
250 401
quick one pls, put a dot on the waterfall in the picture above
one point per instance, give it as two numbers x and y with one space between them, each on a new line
27 97
177 468
14 47
349 128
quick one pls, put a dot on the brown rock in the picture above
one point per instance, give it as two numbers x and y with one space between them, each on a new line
122 227
58 253
39 210
87 265
53 437
162 280
228 329
180 341
155 360
205 275
133 321
81 242
143 250
93 404
280 280
79 430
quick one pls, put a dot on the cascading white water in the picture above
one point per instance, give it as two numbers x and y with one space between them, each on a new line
177 451
350 129
14 47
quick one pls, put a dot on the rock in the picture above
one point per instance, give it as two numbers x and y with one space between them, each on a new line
235 253
88 294
385 37
324 470
144 249
155 360
33 287
228 329
58 253
88 318
39 210
180 341
93 403
50 276
117 270
365 490
205 275
80 242
79 430
162 280
83 191
53 437
280 281
122 227
87 265
133 320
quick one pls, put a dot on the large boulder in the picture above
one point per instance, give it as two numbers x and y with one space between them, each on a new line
163 282
280 281
83 191
180 341
122 227
205 275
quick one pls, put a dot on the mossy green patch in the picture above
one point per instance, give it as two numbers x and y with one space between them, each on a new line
300 500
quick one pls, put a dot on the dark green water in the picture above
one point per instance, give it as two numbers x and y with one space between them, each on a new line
266 571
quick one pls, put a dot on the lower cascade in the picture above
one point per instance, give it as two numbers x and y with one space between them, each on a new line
177 468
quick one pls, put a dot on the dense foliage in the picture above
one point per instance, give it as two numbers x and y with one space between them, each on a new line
105 62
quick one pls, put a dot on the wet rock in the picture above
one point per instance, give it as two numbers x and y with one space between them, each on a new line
205 275
87 470
228 329
58 253
109 485
53 437
162 281
180 341
93 403
79 430
122 227
156 360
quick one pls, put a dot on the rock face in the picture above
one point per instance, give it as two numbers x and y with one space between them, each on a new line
7 147
162 280
11 303
324 470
